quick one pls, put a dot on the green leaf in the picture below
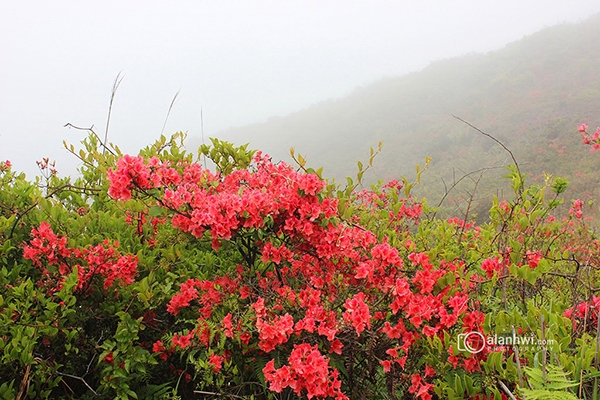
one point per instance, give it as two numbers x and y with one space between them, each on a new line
156 211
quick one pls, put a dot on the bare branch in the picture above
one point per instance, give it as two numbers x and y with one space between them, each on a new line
70 125
466 175
497 141
80 379
91 130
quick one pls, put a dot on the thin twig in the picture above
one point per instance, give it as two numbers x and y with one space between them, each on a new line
544 350
81 377
456 182
24 386
596 386
517 358
169 112
78 378
90 130
469 204
506 390
202 132
116 84
217 394
582 358
70 125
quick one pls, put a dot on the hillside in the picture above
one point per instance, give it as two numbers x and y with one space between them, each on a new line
531 95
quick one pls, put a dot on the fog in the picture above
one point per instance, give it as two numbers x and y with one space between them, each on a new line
238 61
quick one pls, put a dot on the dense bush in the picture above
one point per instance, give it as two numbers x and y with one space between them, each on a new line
152 276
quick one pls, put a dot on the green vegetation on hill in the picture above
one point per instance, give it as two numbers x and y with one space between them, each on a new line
530 95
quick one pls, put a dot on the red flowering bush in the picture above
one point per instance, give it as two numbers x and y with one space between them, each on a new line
309 277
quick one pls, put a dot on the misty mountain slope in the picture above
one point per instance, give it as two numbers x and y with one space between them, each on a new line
531 95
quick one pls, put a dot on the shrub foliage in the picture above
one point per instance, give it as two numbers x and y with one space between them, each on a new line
152 276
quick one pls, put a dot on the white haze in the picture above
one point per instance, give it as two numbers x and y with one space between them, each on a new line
239 61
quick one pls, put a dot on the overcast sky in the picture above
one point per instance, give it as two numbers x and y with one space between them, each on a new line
239 61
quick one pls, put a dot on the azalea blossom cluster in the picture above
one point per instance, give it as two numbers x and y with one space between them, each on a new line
309 283
495 266
577 209
590 139
52 255
491 266
585 310
5 165
308 370
403 211
215 200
